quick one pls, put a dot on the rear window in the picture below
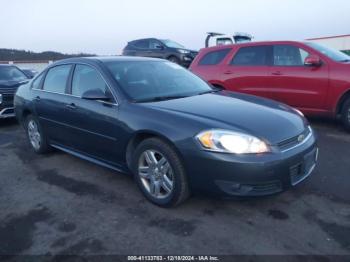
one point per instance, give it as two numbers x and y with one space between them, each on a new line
56 79
251 56
214 57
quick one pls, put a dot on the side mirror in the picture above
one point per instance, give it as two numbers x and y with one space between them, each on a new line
95 94
159 47
312 60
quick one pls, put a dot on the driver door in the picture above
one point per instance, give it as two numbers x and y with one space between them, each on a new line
94 125
295 84
156 49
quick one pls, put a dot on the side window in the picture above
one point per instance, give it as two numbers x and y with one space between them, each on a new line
143 44
251 56
56 79
36 83
288 55
224 41
86 78
153 44
215 57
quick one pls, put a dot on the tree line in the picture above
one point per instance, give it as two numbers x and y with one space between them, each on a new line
24 55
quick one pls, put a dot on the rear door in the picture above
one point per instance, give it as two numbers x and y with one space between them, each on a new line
49 103
142 48
248 70
210 65
295 84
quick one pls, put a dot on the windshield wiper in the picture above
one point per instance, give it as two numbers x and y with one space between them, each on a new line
159 98
345 60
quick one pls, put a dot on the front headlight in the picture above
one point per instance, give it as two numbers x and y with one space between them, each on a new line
183 51
231 142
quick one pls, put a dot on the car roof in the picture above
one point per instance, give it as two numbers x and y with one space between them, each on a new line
95 59
149 38
251 44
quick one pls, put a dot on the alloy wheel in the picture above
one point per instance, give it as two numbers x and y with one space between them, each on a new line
34 134
156 174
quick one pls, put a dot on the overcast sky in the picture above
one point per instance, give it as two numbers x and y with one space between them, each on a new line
105 26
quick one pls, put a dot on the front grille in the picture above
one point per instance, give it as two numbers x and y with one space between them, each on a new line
291 142
266 188
7 100
7 97
258 189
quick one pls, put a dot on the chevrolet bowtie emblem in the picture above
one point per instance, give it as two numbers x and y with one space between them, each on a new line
301 138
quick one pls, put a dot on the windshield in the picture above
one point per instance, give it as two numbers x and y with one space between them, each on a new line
331 53
11 73
171 44
146 81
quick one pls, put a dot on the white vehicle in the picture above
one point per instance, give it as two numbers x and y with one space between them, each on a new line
214 39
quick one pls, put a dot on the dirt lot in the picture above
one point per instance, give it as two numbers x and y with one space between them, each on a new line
59 204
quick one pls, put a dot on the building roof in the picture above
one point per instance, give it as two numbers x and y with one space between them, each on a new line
329 37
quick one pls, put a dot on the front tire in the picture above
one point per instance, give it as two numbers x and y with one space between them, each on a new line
36 137
345 114
174 59
159 173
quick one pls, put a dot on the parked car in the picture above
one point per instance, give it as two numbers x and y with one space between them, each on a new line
170 128
30 72
158 48
217 39
313 78
11 77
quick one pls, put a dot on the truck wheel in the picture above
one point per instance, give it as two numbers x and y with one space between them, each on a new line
159 173
345 114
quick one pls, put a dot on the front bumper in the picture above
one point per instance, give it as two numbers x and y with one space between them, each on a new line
6 106
7 112
251 175
186 59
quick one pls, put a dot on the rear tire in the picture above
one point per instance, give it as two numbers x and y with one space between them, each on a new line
345 115
159 173
36 137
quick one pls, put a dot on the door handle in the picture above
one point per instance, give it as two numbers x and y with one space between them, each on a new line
37 98
71 106
228 72
277 73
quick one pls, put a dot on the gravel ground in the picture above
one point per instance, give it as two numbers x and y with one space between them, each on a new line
59 204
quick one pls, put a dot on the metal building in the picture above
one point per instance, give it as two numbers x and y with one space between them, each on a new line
339 42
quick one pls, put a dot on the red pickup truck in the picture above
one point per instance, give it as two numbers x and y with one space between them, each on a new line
310 77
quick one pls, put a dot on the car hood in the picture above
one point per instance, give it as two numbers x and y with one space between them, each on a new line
11 85
260 117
